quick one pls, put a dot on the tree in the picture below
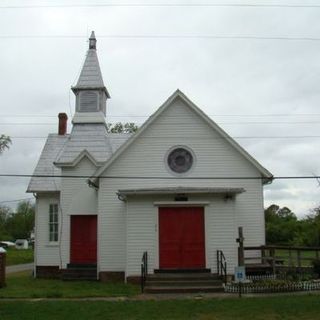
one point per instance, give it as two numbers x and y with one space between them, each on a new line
20 224
4 142
311 228
5 212
282 225
119 127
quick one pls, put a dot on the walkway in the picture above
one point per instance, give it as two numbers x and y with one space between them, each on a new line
19 268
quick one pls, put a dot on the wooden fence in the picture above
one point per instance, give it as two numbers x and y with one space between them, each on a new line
277 257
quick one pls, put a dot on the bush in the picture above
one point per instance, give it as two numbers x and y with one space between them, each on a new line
316 267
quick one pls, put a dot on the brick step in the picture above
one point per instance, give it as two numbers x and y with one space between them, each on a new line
79 276
80 270
184 283
83 272
170 289
82 265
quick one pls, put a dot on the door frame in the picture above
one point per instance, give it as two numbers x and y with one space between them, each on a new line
70 234
170 204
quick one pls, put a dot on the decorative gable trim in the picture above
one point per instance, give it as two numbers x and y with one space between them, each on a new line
178 94
82 154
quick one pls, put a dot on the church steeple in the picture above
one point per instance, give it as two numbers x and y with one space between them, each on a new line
92 41
90 91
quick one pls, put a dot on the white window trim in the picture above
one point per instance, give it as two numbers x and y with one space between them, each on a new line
53 242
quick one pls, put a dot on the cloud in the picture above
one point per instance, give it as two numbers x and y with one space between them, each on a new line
233 77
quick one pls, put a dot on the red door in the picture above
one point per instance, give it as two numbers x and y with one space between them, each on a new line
181 238
83 239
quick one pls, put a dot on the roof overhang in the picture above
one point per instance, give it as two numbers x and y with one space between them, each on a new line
178 190
75 89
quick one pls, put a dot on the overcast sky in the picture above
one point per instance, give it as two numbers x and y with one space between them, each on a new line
251 87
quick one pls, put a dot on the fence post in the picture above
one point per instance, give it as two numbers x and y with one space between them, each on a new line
263 254
299 258
2 269
272 254
290 258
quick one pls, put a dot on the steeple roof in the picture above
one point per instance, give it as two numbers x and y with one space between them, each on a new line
90 76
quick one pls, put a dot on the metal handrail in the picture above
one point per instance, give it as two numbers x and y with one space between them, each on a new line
144 270
222 265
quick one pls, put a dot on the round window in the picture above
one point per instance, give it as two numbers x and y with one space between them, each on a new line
180 160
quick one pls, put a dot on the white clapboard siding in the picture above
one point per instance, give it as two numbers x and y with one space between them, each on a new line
47 254
142 226
178 125
111 227
76 199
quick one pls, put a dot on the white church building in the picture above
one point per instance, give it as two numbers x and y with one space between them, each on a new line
178 189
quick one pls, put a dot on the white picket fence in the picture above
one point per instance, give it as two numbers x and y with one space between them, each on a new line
262 277
256 288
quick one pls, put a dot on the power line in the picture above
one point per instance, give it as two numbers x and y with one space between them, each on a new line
146 116
155 177
166 36
16 200
27 116
155 5
204 137
222 123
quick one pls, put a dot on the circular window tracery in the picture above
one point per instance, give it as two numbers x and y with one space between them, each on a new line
180 160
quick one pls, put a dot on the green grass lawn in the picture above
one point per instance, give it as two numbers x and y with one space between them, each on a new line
261 308
23 285
15 256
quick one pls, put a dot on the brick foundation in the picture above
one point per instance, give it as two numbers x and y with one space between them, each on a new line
134 279
48 272
2 269
111 276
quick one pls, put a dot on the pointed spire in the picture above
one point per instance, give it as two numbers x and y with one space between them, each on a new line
90 76
93 41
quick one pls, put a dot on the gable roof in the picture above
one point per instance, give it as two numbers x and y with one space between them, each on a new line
53 151
89 137
178 94
45 166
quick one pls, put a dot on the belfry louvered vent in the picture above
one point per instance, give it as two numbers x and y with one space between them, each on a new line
88 101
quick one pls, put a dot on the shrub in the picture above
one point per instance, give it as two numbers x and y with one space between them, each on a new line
316 267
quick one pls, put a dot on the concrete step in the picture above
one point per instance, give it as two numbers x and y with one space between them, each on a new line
186 271
184 283
180 289
182 276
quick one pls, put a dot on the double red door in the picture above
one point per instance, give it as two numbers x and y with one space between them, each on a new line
181 238
83 239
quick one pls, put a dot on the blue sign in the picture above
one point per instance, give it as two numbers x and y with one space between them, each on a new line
240 274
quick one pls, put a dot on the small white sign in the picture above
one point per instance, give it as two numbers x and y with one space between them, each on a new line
240 274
